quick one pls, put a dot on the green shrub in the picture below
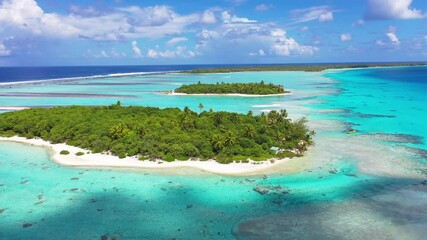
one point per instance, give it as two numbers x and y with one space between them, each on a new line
80 153
64 152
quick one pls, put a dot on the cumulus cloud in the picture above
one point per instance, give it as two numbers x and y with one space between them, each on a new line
136 50
264 7
345 37
208 17
117 25
392 39
26 15
392 9
228 18
284 46
176 40
320 13
4 51
204 37
255 39
178 52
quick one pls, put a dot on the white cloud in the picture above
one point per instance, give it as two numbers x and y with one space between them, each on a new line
392 9
320 13
204 37
4 51
208 17
258 53
104 54
305 28
234 40
326 17
117 25
26 15
284 46
264 7
178 52
392 40
391 34
345 37
191 54
136 49
228 18
176 40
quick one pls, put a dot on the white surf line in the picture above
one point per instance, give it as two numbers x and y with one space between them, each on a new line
115 75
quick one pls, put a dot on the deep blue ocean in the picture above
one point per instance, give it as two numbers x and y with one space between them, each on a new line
18 74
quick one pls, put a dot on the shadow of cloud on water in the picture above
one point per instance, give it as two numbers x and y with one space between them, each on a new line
116 215
390 212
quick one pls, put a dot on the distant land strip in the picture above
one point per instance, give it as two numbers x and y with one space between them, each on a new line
304 68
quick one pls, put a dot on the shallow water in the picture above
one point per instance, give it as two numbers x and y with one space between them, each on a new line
368 185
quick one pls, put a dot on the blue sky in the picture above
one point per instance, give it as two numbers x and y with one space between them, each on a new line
128 32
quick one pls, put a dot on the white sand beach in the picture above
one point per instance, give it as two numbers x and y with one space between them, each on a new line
109 161
10 108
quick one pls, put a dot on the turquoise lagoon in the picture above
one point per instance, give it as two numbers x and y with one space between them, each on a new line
368 185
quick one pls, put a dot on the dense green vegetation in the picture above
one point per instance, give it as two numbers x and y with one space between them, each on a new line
227 88
305 68
169 134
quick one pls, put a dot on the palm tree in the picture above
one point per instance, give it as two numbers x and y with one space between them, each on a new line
119 131
230 139
201 107
217 142
283 114
217 119
186 109
249 131
187 123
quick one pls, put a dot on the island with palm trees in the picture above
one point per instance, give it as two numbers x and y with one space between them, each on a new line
169 134
222 88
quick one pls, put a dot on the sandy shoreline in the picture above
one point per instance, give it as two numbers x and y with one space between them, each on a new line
6 108
109 161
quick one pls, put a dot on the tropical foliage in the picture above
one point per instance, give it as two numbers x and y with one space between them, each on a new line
227 88
168 134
